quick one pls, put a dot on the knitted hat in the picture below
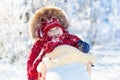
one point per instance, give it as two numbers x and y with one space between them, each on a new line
49 24
45 14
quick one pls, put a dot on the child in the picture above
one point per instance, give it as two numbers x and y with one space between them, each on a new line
49 29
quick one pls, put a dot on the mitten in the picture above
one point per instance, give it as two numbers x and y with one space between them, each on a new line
83 46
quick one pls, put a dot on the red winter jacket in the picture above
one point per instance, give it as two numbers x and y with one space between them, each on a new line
48 44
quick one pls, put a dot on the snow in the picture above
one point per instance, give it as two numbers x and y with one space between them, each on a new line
107 67
12 72
50 74
95 21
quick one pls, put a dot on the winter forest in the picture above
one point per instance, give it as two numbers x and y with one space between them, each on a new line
95 21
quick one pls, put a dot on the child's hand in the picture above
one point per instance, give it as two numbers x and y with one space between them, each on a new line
83 46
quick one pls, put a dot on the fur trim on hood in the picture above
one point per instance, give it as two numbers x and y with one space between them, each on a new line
42 14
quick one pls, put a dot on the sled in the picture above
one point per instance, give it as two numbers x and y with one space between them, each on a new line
66 54
63 55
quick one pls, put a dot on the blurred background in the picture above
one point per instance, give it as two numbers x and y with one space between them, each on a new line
95 21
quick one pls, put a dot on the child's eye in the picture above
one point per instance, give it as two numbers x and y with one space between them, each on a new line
50 31
56 28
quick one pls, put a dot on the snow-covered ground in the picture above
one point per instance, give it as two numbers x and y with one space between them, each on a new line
12 72
107 67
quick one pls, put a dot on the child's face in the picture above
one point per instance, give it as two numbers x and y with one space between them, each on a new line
55 32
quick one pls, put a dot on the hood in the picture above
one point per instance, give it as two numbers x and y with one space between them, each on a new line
42 14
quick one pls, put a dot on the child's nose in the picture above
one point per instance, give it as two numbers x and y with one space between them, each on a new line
55 31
